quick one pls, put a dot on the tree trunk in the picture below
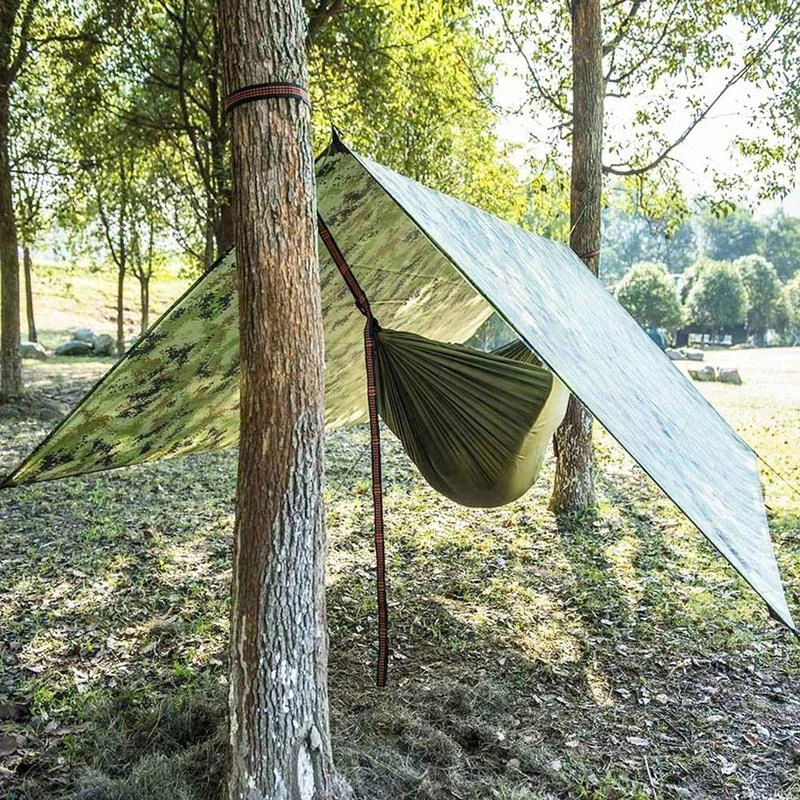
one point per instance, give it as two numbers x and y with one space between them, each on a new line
219 143
10 358
573 488
28 269
120 310
208 250
279 746
144 302
224 235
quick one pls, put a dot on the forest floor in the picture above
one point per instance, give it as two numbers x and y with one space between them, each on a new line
607 656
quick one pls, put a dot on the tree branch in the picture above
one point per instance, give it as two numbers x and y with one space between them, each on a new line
190 130
548 96
616 169
319 17
24 34
610 78
623 28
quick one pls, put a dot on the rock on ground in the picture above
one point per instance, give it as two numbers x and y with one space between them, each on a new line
32 350
703 374
692 355
729 375
76 347
104 345
83 335
673 354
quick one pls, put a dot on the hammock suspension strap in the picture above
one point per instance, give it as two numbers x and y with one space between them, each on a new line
266 91
371 328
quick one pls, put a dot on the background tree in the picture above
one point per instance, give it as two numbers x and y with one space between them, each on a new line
412 82
173 57
31 183
650 296
689 278
35 167
110 200
718 298
15 28
781 319
630 237
649 53
763 291
730 236
782 244
370 62
144 255
29 30
739 233
790 297
279 743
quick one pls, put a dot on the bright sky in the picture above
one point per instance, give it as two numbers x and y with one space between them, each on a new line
708 148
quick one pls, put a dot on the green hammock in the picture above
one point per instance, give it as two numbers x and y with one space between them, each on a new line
476 424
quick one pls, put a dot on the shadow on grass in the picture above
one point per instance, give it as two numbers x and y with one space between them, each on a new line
532 658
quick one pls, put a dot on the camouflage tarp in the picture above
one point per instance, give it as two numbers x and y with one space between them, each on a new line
434 266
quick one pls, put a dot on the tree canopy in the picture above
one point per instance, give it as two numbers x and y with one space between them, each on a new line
718 297
650 296
790 309
782 244
763 287
658 60
730 236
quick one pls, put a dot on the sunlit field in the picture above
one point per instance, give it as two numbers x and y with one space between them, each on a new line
69 296
607 656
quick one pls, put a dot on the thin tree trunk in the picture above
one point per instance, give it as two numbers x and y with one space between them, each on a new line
224 235
208 250
10 357
120 310
279 745
28 269
573 487
219 142
144 302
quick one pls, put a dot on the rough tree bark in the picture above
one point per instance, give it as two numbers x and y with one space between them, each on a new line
573 488
10 358
28 270
279 746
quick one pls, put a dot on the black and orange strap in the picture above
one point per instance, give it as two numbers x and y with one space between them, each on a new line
371 328
266 91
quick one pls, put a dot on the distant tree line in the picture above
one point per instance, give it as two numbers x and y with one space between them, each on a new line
629 238
713 297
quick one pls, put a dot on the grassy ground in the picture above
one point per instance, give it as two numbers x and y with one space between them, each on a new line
73 297
610 656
